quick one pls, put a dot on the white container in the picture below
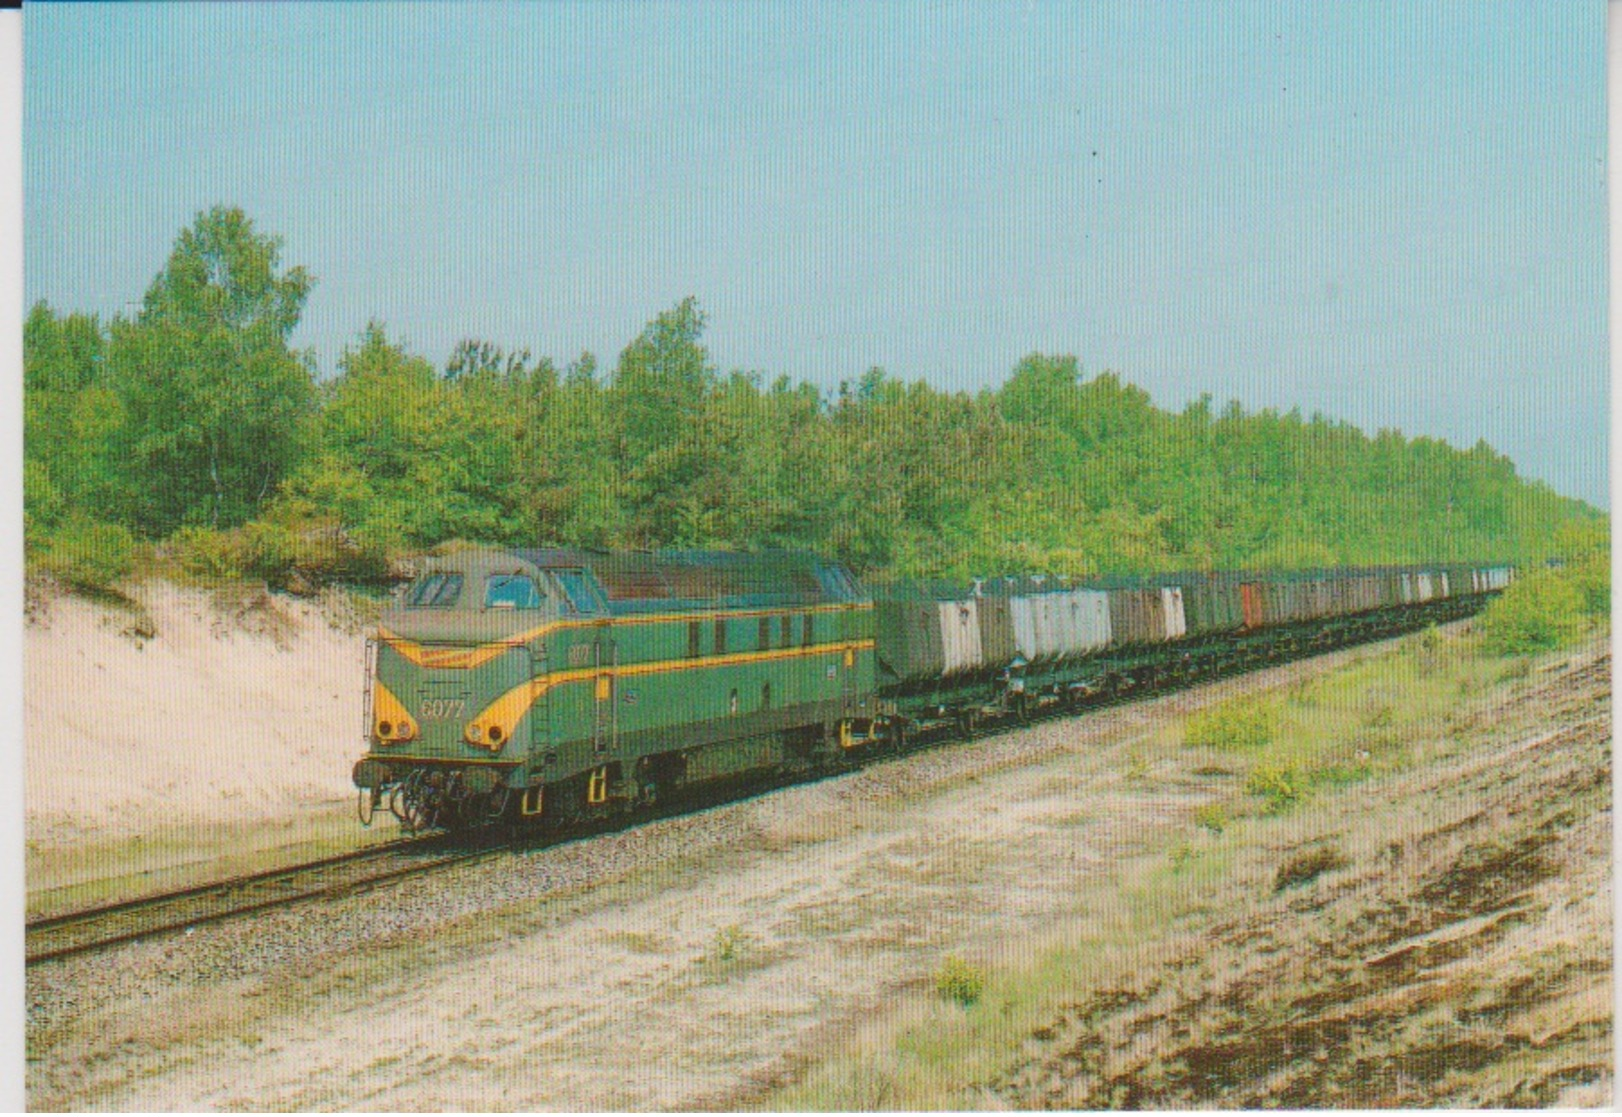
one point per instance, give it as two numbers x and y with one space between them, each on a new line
1171 597
1090 613
960 635
1040 620
1023 612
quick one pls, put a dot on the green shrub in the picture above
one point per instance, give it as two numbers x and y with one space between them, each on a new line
1280 787
269 551
306 554
1342 775
88 554
1592 578
1211 817
42 503
1538 613
958 981
729 941
209 554
1241 723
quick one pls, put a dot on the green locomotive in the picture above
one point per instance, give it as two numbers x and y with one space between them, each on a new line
566 682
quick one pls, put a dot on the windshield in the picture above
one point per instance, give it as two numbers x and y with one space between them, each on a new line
434 590
511 591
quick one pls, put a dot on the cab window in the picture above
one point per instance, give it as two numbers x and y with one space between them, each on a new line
511 591
578 588
435 591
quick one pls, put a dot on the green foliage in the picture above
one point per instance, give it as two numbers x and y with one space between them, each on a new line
1243 723
729 942
208 554
42 502
1280 787
88 554
1211 817
197 414
1591 577
956 980
214 401
1537 613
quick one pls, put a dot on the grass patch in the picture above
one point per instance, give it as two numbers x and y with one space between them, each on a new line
958 981
1243 723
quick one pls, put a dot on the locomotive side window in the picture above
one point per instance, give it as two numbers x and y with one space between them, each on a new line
695 640
788 631
438 591
720 635
559 593
511 591
765 634
581 593
807 629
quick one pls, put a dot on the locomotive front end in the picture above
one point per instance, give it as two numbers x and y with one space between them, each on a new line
450 693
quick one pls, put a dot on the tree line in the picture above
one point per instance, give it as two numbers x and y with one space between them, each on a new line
193 433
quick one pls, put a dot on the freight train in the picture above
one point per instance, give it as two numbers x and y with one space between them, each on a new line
560 685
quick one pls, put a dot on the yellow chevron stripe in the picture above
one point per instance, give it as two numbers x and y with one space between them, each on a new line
387 708
510 707
465 659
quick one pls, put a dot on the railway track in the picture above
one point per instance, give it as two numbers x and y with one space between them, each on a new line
80 932
91 929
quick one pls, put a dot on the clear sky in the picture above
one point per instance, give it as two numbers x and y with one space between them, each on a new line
1393 213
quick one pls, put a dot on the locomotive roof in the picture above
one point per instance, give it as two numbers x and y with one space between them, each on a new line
635 581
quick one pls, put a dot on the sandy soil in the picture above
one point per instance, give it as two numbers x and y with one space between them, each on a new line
690 973
208 709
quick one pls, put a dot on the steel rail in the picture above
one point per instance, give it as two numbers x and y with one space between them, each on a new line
78 932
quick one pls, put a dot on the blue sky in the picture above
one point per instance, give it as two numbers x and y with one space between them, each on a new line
1391 213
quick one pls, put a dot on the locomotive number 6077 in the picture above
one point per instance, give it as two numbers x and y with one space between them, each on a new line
438 709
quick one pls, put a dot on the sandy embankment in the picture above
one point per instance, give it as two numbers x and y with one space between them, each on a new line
239 707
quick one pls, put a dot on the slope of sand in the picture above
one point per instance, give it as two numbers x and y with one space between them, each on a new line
212 707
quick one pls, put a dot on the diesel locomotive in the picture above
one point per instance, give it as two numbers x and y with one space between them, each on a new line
557 685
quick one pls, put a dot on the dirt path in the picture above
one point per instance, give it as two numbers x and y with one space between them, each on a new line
709 951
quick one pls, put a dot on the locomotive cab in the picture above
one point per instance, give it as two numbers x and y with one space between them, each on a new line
450 686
